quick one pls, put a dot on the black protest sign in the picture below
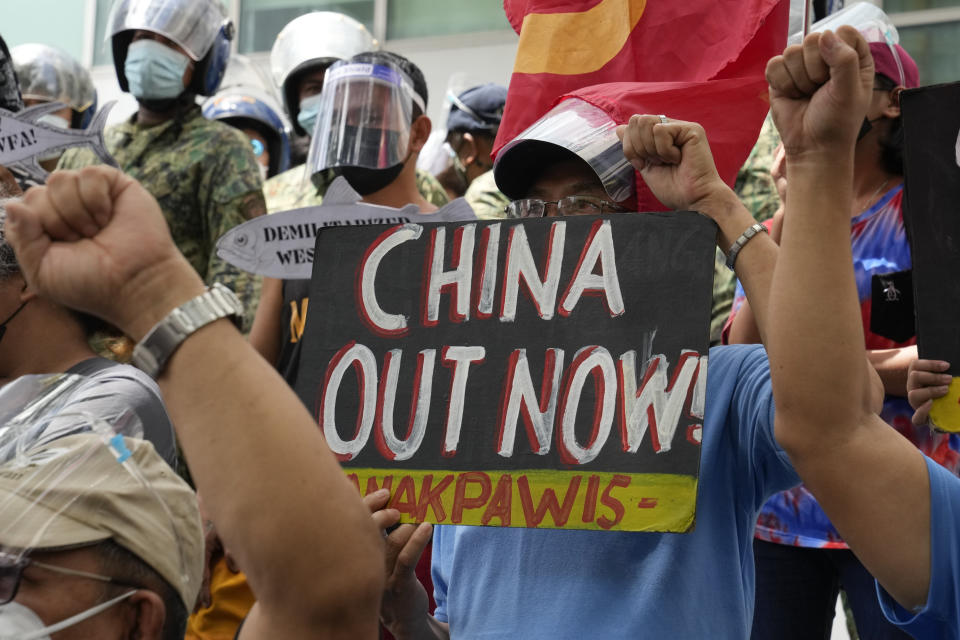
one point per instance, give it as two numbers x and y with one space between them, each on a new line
931 212
546 372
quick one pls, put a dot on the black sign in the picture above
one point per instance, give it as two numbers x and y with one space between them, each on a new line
546 372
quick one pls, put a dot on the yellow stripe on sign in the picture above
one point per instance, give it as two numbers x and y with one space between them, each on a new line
537 498
945 412
578 42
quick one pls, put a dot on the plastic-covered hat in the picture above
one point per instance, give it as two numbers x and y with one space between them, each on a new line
9 87
246 108
573 128
890 61
200 27
477 109
62 488
313 41
52 75
877 28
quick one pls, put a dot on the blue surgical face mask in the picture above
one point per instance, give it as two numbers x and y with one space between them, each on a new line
309 109
154 71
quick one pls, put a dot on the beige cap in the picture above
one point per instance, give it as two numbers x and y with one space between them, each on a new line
77 490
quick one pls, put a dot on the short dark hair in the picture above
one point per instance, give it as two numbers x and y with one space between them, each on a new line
413 72
123 565
891 143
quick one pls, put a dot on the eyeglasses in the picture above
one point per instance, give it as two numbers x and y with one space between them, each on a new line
569 206
12 566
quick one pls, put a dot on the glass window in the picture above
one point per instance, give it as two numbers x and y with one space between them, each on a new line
417 18
102 54
262 20
896 6
22 23
934 48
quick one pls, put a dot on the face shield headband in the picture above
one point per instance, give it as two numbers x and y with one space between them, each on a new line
364 118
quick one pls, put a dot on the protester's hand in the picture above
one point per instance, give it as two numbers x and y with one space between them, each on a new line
405 603
778 172
819 92
95 240
926 381
674 160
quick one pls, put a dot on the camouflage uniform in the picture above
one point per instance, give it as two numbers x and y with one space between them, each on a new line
755 188
206 180
485 198
292 190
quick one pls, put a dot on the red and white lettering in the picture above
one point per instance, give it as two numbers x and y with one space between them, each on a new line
658 403
520 265
598 248
390 446
458 280
487 271
519 396
460 359
379 321
364 363
598 362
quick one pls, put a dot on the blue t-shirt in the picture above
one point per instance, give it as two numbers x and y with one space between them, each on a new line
940 616
551 583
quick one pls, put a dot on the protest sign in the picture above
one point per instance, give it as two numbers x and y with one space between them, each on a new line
280 245
931 213
536 373
23 139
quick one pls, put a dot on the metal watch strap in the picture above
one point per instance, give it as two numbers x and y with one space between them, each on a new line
738 244
152 352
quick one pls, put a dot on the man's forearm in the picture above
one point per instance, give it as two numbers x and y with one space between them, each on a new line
271 485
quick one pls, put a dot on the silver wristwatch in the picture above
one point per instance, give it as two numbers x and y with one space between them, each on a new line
151 354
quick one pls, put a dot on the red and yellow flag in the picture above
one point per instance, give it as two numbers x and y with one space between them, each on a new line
566 45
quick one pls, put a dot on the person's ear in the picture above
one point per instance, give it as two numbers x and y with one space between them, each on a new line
27 293
419 132
468 150
892 110
9 187
148 615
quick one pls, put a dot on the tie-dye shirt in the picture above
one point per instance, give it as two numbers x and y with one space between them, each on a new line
879 245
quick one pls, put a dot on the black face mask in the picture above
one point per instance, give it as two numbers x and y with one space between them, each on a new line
366 181
865 128
3 325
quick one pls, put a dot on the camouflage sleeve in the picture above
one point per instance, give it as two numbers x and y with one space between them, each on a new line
754 184
236 197
77 158
245 285
757 191
431 189
487 201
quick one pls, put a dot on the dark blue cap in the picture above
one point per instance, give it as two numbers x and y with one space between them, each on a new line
477 109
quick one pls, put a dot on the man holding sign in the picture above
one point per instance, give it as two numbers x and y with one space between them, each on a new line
515 582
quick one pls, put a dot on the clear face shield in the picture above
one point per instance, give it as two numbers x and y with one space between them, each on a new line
70 480
192 24
870 20
579 127
365 117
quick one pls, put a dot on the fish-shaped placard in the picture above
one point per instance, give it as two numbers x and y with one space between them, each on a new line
23 140
280 245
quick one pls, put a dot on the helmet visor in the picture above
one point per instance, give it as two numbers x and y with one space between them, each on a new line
364 117
192 24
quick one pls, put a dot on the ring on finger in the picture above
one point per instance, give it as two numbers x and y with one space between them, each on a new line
663 119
